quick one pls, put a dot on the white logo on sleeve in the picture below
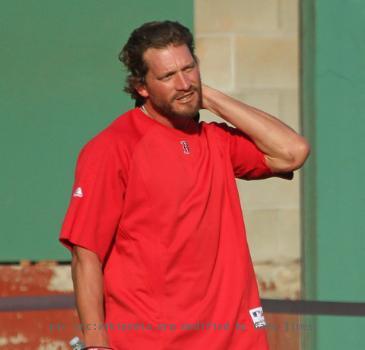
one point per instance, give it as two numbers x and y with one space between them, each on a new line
258 318
78 193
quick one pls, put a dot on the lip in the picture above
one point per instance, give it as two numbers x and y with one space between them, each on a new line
186 97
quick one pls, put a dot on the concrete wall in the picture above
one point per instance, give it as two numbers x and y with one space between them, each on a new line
249 49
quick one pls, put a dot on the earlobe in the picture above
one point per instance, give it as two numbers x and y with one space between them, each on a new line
142 91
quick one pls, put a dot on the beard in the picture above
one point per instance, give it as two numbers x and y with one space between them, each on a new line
173 110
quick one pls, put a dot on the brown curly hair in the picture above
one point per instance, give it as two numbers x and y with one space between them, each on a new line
158 35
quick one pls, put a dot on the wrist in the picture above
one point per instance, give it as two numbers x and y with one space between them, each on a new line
96 339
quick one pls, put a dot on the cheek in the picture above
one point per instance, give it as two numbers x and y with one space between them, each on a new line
163 92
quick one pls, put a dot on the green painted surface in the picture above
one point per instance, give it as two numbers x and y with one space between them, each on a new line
308 120
340 80
340 332
61 82
337 173
308 180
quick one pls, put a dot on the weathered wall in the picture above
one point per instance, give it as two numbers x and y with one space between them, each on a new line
249 49
52 329
36 330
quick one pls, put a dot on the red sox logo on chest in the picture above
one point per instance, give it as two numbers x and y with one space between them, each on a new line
185 147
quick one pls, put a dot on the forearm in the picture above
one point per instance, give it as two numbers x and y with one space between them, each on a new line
88 285
279 142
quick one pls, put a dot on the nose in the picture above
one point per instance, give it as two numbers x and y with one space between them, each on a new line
183 82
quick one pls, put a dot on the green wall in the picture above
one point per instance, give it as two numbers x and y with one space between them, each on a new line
61 83
333 94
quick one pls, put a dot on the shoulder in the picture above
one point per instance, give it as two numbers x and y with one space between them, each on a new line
118 140
219 127
224 128
221 130
105 143
100 144
114 136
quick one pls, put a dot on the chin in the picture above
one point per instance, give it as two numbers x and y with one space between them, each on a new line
188 112
186 115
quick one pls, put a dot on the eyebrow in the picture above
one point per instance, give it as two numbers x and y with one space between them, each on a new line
172 72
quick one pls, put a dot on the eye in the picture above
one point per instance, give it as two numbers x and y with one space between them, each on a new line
166 78
189 68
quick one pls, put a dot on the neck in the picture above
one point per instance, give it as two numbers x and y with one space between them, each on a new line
181 123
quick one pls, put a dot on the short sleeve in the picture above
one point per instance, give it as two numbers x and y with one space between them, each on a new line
96 202
248 162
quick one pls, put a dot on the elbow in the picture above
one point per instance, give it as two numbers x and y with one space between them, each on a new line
295 157
299 154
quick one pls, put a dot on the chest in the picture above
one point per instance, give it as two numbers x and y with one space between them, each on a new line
165 168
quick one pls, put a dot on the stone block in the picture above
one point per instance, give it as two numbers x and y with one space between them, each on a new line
273 234
215 56
270 193
289 108
266 62
216 16
279 279
289 16
281 103
266 100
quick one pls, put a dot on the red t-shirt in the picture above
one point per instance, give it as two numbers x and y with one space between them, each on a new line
160 208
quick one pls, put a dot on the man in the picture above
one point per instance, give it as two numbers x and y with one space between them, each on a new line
159 252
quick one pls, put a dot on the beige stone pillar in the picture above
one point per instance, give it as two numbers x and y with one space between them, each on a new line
249 49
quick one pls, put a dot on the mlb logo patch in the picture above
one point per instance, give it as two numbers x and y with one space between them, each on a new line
185 147
257 315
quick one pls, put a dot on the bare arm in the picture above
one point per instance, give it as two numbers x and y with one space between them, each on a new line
87 278
284 149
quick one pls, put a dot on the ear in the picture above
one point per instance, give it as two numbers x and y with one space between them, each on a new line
142 90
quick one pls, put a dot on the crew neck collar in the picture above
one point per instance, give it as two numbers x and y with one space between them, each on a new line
192 130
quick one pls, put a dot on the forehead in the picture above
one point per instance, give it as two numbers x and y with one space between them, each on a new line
167 59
